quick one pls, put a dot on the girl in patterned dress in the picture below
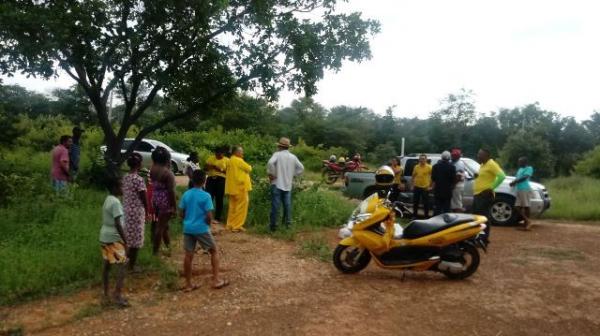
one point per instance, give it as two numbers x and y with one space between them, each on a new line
135 208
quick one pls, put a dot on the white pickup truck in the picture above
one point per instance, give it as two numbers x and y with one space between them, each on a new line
502 211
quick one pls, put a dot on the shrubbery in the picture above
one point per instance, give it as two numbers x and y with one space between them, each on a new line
590 165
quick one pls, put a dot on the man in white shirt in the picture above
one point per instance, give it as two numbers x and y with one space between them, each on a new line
456 204
282 167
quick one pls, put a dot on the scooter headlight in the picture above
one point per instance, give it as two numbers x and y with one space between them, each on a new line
345 233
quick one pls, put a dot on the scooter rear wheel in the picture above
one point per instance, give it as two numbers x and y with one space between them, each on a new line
350 259
470 258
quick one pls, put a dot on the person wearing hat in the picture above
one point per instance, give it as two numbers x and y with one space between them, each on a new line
443 177
282 167
75 152
456 204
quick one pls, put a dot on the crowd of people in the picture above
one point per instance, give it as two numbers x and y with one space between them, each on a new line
446 181
154 200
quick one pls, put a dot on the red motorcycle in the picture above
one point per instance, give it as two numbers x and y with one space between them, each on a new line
333 170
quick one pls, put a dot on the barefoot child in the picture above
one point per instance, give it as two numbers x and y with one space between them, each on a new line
196 205
113 242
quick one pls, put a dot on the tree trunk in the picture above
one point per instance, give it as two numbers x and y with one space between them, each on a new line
113 158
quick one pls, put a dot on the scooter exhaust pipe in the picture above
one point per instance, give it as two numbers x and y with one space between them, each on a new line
451 266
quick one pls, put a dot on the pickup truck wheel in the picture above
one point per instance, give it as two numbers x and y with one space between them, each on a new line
503 211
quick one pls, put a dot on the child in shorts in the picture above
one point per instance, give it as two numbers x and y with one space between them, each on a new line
196 210
113 242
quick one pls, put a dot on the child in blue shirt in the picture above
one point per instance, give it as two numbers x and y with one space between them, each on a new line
196 210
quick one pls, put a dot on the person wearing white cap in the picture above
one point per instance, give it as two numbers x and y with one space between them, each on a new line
443 176
282 167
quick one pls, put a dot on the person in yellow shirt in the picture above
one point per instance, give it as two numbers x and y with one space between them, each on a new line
421 179
216 169
397 186
490 176
237 187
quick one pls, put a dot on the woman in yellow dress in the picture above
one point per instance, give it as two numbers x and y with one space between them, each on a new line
237 187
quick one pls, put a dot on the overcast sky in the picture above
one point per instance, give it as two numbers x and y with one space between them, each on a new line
509 53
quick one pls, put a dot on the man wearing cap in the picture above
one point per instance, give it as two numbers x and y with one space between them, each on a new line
456 204
443 177
282 167
75 151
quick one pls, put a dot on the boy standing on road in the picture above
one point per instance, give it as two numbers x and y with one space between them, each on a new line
113 242
196 205
521 184
421 178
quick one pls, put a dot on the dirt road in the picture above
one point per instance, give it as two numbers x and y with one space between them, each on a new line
545 282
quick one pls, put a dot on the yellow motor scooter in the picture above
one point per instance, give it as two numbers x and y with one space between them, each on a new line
446 243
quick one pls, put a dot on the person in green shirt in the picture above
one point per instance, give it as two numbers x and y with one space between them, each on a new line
490 176
113 242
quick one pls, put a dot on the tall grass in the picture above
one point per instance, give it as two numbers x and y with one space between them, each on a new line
313 207
574 197
49 244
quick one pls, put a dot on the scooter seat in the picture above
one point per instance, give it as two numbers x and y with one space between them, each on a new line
420 228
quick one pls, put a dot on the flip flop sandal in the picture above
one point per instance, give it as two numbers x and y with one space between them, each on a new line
221 284
190 289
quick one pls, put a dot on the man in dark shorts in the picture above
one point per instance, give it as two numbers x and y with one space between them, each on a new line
196 205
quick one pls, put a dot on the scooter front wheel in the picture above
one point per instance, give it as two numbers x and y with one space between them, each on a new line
350 259
469 260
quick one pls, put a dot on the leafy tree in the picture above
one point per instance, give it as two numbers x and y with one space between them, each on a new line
304 120
451 121
74 104
593 127
534 147
569 146
590 165
197 54
383 153
16 100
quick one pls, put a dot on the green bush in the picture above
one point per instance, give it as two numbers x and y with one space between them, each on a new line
312 207
574 197
590 166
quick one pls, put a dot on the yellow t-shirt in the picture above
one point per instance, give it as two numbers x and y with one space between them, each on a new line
487 175
221 164
422 176
398 171
237 179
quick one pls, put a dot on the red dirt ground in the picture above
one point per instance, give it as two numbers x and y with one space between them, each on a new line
545 282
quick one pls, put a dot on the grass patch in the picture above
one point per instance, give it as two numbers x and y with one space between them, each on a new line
316 248
49 245
574 197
